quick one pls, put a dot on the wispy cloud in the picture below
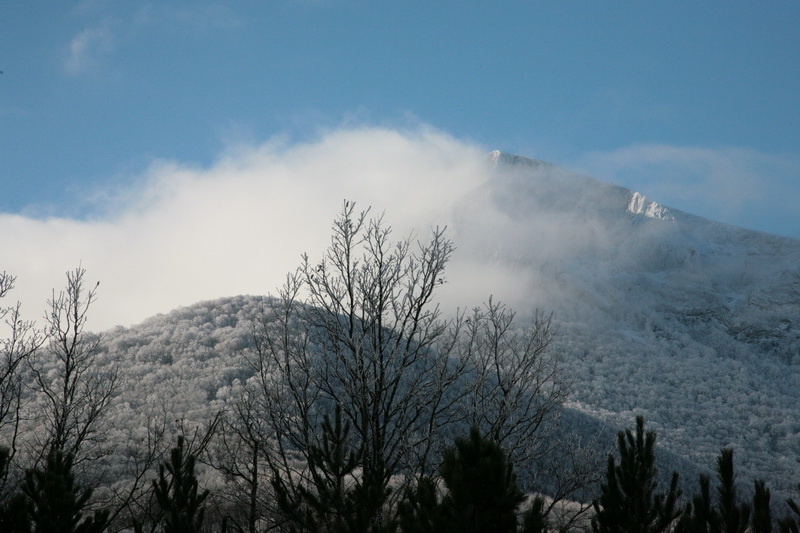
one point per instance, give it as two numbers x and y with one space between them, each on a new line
87 47
102 36
735 185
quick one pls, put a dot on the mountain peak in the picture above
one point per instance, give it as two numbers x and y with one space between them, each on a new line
498 158
544 186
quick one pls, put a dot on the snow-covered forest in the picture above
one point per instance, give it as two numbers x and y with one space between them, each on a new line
693 325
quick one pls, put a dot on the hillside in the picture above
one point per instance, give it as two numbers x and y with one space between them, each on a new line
182 367
692 323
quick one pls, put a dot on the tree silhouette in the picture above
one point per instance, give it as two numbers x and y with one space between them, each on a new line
177 493
700 515
791 523
628 501
734 516
762 516
330 498
729 516
419 511
483 494
55 503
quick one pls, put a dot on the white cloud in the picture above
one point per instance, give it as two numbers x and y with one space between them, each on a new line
100 38
740 186
85 48
179 234
185 234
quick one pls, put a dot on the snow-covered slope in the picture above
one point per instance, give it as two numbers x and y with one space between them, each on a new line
693 323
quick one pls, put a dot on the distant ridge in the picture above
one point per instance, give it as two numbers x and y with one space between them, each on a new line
692 323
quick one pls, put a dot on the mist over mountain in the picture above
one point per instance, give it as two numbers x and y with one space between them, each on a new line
692 323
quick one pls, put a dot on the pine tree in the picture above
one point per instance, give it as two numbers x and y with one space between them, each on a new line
734 517
13 511
55 503
327 503
482 488
481 494
762 516
700 515
628 502
789 523
177 492
729 516
535 520
420 511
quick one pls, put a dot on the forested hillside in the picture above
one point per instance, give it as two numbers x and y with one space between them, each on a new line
691 324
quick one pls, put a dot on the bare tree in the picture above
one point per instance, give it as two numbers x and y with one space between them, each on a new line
137 501
238 453
76 389
516 386
128 496
515 390
21 342
360 329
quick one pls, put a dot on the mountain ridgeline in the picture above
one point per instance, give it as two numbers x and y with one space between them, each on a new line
692 323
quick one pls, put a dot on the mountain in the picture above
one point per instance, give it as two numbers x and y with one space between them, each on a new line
692 323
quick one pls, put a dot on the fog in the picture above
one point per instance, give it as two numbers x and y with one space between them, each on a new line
532 235
178 234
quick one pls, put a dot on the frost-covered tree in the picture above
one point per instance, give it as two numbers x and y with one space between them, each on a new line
360 328
76 390
515 383
238 454
18 344
515 387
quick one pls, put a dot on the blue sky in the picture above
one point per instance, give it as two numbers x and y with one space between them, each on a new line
694 104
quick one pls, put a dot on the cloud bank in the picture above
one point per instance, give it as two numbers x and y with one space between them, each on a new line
179 234
184 234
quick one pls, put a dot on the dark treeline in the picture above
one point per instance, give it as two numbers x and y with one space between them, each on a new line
359 408
475 490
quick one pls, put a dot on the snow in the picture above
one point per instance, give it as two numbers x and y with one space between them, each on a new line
692 322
